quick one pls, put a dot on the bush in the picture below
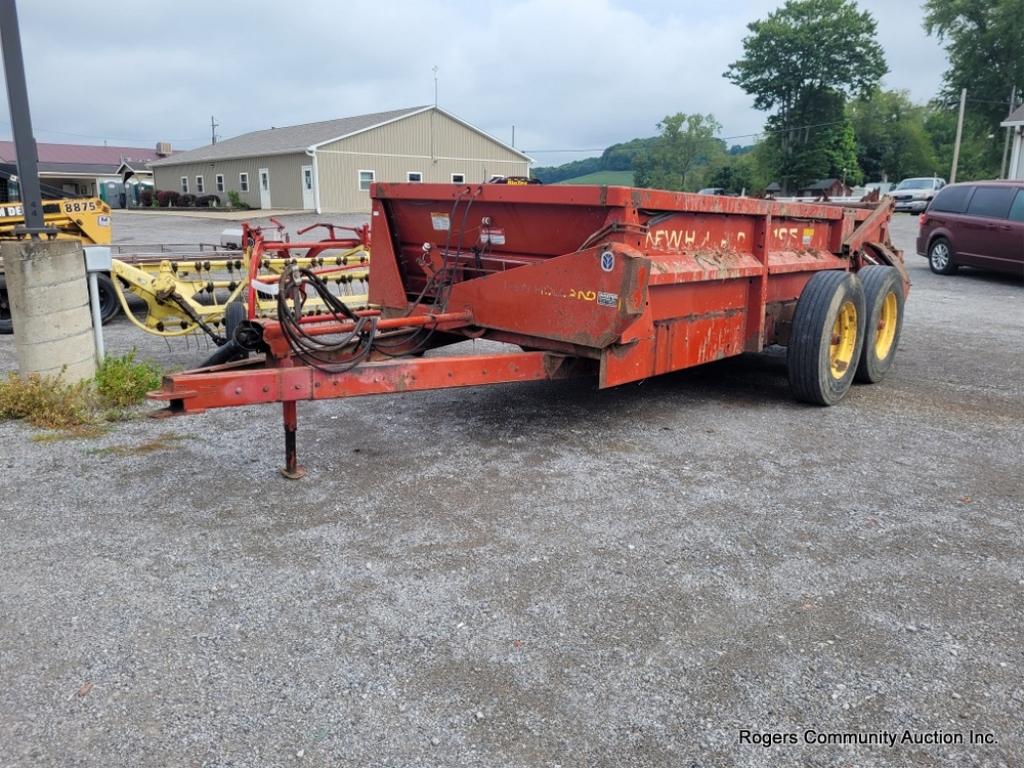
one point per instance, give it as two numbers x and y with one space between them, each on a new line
186 200
167 198
207 201
121 381
146 198
236 201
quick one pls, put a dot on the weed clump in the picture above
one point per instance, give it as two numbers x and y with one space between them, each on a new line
50 402
46 401
122 381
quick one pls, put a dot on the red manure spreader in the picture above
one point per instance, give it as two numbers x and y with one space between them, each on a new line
614 282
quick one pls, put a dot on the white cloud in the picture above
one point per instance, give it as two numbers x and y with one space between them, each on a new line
566 73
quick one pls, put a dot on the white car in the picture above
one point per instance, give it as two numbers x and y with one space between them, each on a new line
913 195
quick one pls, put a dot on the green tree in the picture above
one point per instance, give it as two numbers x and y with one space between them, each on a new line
892 140
685 147
808 45
984 40
737 172
822 147
980 150
801 63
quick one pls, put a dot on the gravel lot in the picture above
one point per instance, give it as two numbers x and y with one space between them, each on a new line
535 574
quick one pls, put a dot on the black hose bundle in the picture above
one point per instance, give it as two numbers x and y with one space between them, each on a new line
337 355
330 354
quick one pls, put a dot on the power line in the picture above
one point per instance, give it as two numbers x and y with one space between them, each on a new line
106 138
720 138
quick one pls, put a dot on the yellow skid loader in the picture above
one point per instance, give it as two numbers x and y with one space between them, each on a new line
84 219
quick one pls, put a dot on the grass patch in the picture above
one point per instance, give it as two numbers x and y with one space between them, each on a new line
82 409
80 432
163 442
611 178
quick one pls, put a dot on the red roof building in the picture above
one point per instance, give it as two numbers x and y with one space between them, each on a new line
83 169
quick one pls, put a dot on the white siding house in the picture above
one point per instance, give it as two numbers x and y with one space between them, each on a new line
329 166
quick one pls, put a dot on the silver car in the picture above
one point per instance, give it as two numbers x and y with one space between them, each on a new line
913 195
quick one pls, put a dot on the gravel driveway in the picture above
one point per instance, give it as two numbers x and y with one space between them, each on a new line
535 574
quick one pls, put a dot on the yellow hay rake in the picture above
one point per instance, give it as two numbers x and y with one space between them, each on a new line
180 295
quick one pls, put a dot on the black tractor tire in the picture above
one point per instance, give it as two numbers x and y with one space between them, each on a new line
109 305
234 315
883 323
940 257
6 322
826 338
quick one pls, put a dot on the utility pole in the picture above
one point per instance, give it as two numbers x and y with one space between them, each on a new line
1003 170
21 121
959 134
213 130
51 337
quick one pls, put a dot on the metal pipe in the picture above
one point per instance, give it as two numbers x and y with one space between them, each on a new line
328 327
97 318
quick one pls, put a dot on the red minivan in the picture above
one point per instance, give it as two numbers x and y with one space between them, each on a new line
976 224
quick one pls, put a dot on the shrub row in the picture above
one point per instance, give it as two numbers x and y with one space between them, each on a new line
165 198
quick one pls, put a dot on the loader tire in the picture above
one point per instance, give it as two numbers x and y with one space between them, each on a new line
883 298
6 322
827 337
109 305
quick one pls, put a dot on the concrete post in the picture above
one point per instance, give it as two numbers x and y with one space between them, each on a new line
49 307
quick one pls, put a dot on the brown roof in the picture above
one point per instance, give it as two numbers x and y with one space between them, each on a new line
292 138
85 154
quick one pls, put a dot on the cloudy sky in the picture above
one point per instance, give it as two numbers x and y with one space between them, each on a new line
569 74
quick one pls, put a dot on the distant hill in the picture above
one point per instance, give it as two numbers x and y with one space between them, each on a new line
617 160
611 178
618 157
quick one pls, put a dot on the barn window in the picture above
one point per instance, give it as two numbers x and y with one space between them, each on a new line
243 182
220 182
458 178
199 185
365 180
414 175
184 185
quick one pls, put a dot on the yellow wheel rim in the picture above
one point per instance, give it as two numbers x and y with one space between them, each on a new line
844 340
885 332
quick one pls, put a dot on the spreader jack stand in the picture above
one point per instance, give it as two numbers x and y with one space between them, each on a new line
292 469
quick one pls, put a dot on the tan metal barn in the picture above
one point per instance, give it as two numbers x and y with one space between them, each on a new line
329 166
